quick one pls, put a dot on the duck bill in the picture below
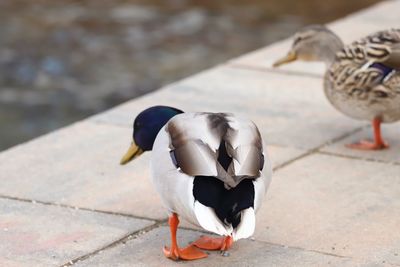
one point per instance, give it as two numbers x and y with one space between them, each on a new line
291 56
133 152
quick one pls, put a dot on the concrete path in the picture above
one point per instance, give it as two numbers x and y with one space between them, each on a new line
64 200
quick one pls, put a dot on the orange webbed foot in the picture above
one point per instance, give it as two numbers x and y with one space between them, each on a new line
176 253
214 243
188 253
368 145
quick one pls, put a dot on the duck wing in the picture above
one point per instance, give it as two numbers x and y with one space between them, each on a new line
216 144
366 63
382 46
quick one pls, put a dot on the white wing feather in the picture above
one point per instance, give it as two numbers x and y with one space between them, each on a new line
246 226
209 221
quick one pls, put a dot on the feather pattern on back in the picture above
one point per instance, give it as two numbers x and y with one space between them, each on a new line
216 144
363 80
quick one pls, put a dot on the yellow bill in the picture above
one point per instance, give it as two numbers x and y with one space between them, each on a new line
133 152
291 56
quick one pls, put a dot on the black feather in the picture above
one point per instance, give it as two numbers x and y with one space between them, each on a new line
227 203
223 158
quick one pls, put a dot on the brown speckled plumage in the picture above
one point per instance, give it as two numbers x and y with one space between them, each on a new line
362 79
363 82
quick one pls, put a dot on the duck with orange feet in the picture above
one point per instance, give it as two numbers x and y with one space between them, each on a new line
362 79
209 168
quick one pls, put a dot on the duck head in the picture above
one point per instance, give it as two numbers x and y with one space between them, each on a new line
313 43
145 129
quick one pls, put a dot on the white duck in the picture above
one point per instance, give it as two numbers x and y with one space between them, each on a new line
210 168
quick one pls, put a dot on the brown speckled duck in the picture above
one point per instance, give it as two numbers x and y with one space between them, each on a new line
362 79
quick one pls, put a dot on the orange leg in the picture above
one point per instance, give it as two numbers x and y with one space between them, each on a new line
175 253
214 243
378 143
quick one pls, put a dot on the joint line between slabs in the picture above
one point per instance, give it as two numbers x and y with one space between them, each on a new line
123 239
341 137
357 158
32 201
304 249
317 149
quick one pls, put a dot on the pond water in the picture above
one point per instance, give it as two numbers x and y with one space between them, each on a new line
61 61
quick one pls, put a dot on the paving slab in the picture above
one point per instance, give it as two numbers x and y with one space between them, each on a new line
146 250
381 13
344 206
79 166
44 235
391 133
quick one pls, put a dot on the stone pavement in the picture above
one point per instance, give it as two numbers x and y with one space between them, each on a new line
64 200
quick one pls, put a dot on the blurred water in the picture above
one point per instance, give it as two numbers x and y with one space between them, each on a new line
63 60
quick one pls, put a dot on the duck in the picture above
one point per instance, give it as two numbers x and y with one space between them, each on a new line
362 79
211 169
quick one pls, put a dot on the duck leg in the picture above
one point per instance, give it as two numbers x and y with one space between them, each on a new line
378 143
176 253
214 243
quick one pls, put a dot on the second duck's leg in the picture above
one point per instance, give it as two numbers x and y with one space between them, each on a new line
378 143
176 253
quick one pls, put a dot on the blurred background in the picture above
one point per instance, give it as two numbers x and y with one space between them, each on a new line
63 60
